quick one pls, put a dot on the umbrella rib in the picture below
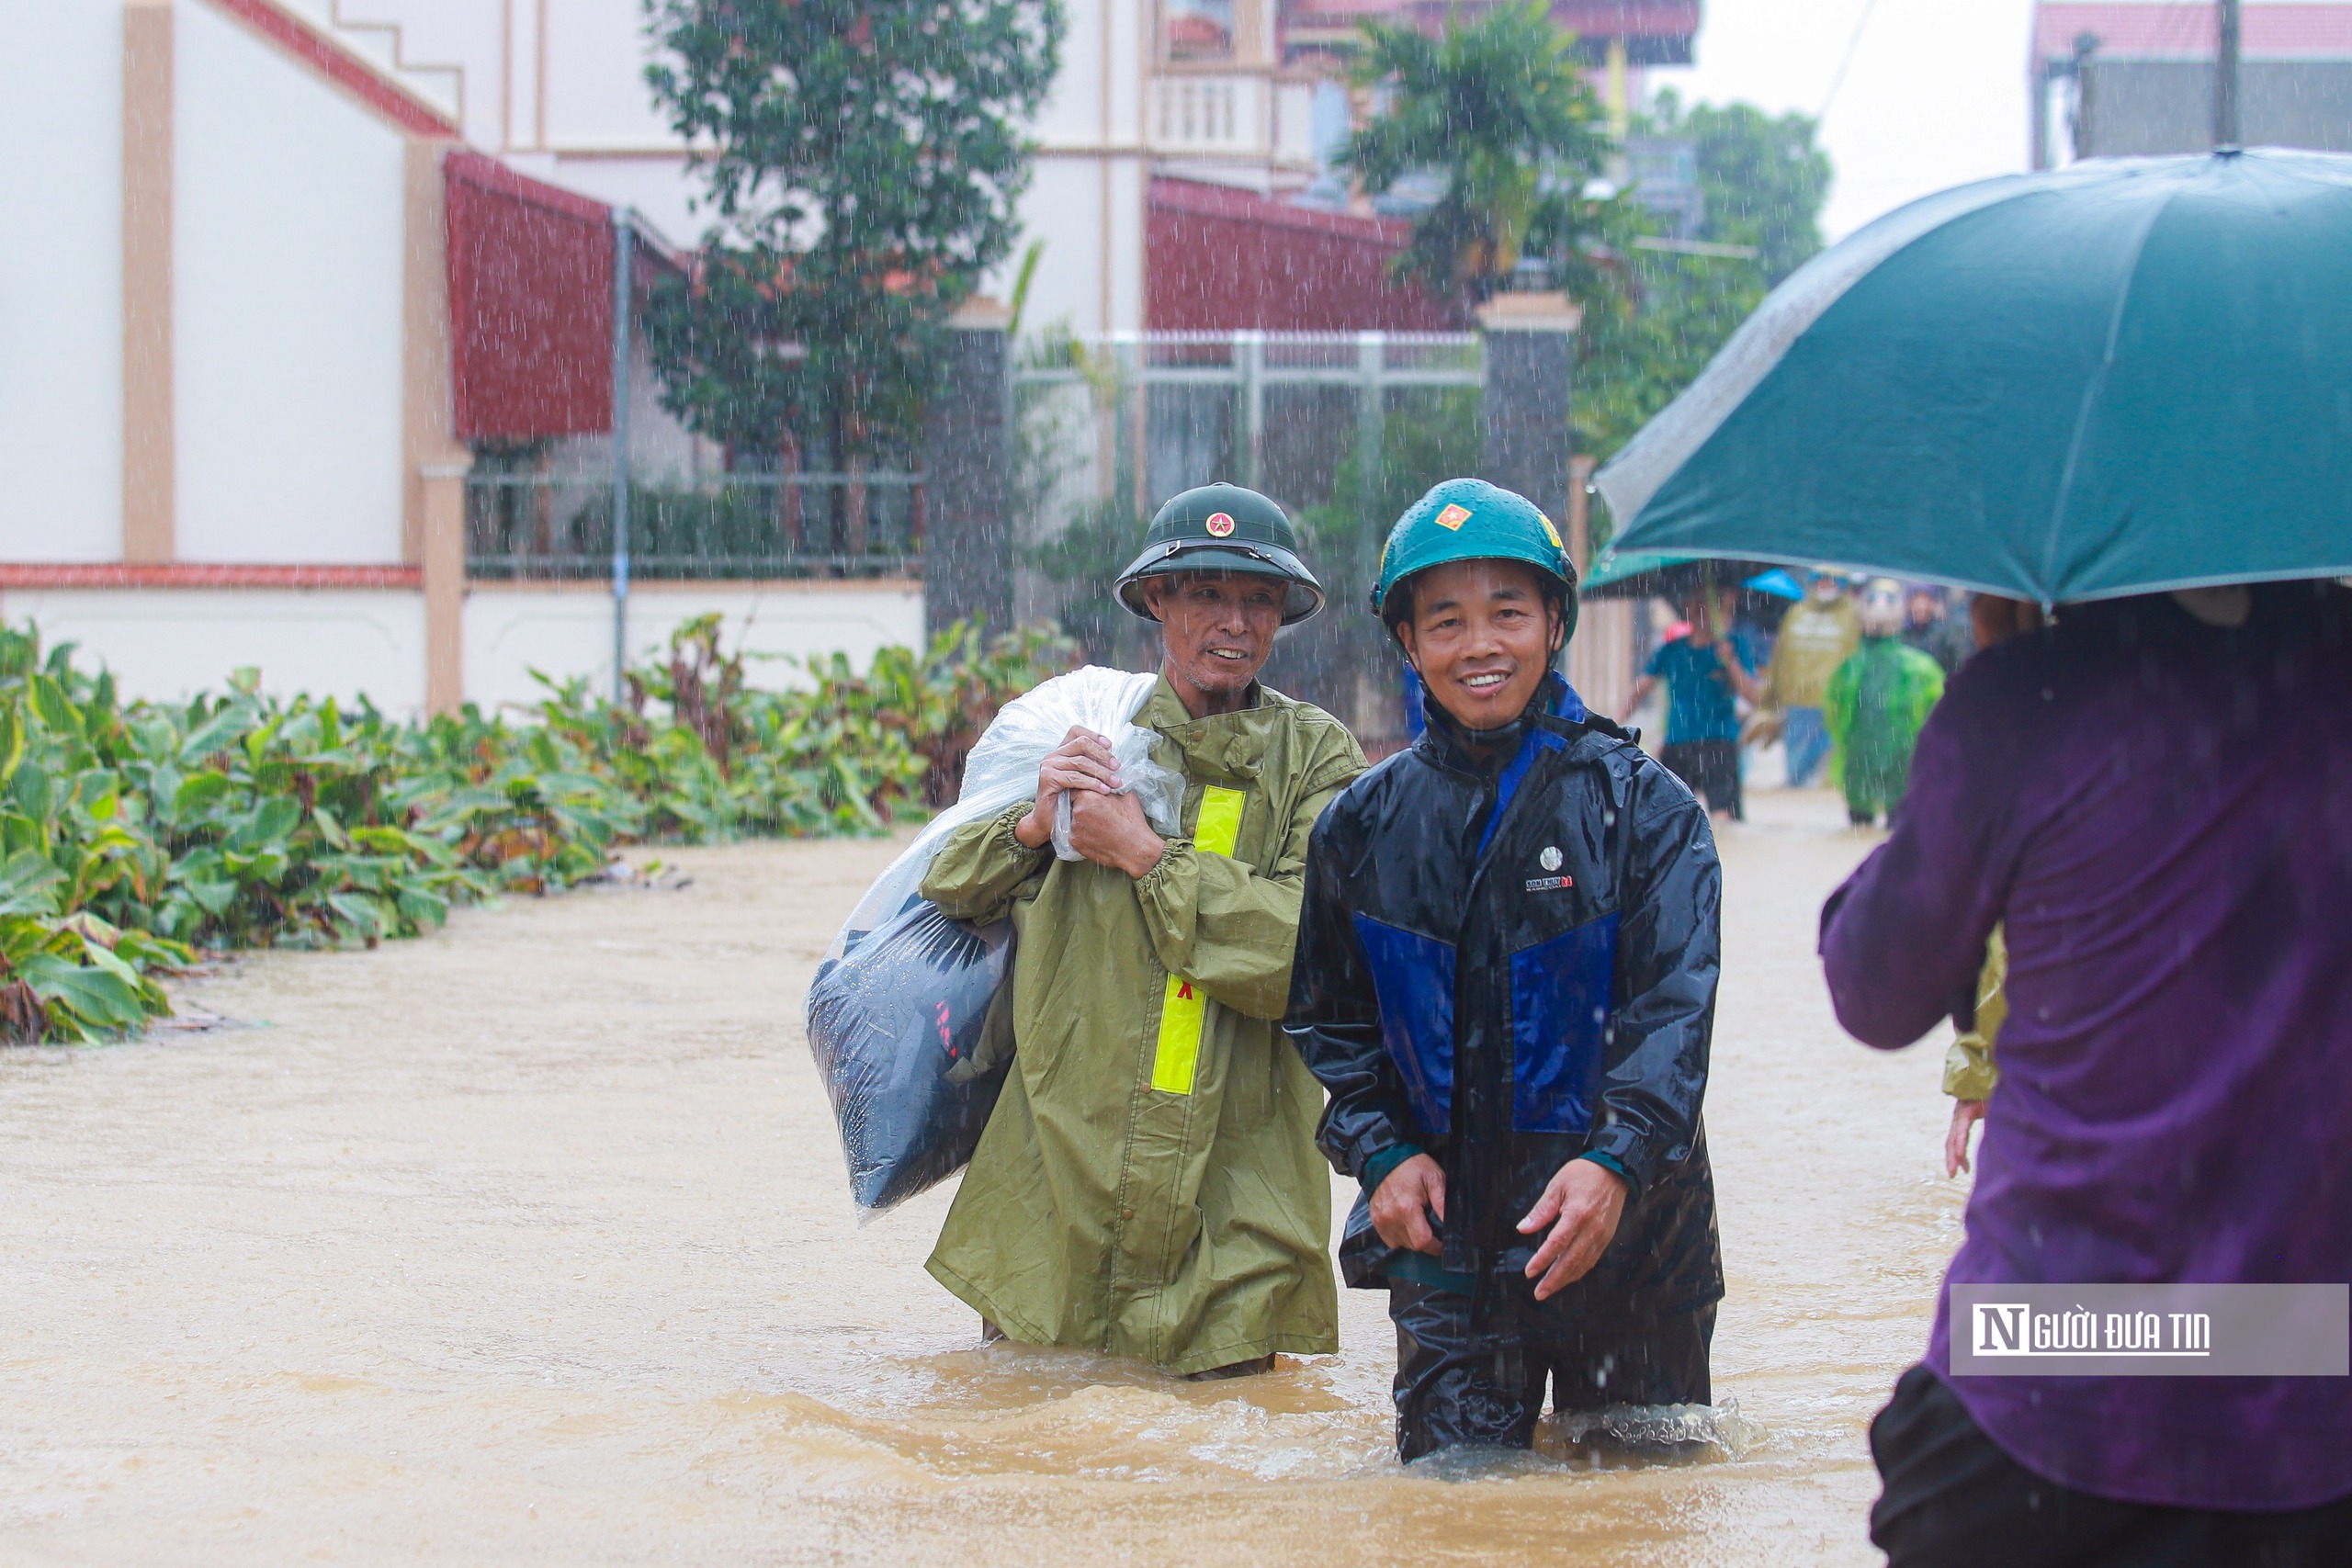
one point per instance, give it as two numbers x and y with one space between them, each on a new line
2092 393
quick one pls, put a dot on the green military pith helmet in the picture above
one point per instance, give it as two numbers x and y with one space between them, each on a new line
1472 520
1222 527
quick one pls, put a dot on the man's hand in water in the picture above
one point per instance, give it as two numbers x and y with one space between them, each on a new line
1582 1205
1965 1113
1082 764
1403 1203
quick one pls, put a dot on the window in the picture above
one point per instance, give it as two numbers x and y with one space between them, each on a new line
1197 30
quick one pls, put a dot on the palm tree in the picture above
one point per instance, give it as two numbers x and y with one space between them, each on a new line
1499 107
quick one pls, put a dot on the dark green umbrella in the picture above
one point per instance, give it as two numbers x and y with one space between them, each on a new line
2123 377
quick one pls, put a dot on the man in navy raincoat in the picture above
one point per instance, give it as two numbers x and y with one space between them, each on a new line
1505 979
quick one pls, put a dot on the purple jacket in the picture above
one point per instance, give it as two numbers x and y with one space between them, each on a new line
2162 812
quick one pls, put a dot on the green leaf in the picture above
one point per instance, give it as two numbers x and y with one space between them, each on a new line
199 792
55 708
101 999
12 740
216 733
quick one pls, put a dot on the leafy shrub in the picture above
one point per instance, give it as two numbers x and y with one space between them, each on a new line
132 835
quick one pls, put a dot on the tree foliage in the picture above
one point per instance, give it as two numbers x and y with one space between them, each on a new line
1764 183
132 834
1500 109
863 159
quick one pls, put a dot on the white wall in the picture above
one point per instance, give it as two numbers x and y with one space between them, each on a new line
168 644
61 282
290 242
510 631
597 96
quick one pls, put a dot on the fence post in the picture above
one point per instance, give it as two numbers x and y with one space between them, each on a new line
623 304
1252 347
1372 415
967 544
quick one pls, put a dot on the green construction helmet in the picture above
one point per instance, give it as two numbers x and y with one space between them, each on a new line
1222 527
1471 520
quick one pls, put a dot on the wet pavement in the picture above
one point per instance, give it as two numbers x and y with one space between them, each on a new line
529 1242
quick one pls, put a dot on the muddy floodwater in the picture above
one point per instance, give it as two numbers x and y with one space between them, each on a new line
529 1242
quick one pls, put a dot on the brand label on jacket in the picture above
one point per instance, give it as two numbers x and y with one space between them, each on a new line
1183 1010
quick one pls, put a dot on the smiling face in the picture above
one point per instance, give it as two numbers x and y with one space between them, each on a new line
1482 636
1217 628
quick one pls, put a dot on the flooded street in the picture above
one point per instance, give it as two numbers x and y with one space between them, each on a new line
529 1242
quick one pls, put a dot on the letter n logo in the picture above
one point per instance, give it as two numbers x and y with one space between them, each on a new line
2000 1328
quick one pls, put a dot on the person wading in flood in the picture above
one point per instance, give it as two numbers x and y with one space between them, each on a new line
1505 980
1149 1185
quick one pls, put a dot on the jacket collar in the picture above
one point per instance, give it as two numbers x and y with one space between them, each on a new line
1446 741
1229 743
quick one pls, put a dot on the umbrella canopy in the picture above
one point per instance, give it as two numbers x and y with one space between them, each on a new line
2117 378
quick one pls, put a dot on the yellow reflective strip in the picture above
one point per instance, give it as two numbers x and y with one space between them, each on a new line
1183 1008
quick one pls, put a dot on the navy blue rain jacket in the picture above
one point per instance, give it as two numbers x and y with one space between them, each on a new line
1510 963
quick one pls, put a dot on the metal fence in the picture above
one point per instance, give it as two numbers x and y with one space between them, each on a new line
762 525
1343 429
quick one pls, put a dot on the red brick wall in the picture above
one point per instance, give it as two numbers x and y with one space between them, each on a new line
1220 259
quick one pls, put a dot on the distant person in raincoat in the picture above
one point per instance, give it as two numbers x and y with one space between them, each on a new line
1875 705
1148 1185
1970 1073
1818 633
1706 671
1505 980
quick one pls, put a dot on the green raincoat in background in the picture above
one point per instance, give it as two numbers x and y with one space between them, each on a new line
1149 1184
1874 706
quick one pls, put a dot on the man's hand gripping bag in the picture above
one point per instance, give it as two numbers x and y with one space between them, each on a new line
905 1017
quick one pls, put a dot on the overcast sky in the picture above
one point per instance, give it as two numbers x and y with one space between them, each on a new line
1934 96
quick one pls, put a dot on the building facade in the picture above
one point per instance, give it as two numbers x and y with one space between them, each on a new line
2124 78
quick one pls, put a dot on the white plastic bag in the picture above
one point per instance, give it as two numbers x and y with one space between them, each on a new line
903 1004
1160 790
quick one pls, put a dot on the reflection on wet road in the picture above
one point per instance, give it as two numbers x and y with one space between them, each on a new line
529 1242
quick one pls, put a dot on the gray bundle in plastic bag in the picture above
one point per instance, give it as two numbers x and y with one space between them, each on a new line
905 1017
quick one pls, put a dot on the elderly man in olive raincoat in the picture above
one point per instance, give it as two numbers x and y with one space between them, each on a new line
1149 1184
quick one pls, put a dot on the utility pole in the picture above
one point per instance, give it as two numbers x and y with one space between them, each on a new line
624 232
2225 77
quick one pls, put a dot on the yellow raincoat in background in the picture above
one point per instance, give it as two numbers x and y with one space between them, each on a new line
1969 1072
1149 1184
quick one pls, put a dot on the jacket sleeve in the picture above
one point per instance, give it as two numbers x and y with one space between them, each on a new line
1227 926
981 869
1334 1021
1670 954
1904 940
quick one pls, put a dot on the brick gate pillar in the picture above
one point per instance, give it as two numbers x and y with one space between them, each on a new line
967 552
1530 364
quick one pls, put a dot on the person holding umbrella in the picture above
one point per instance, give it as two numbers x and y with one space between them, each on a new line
2117 390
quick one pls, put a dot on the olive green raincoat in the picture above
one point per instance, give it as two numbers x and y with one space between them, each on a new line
1149 1184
